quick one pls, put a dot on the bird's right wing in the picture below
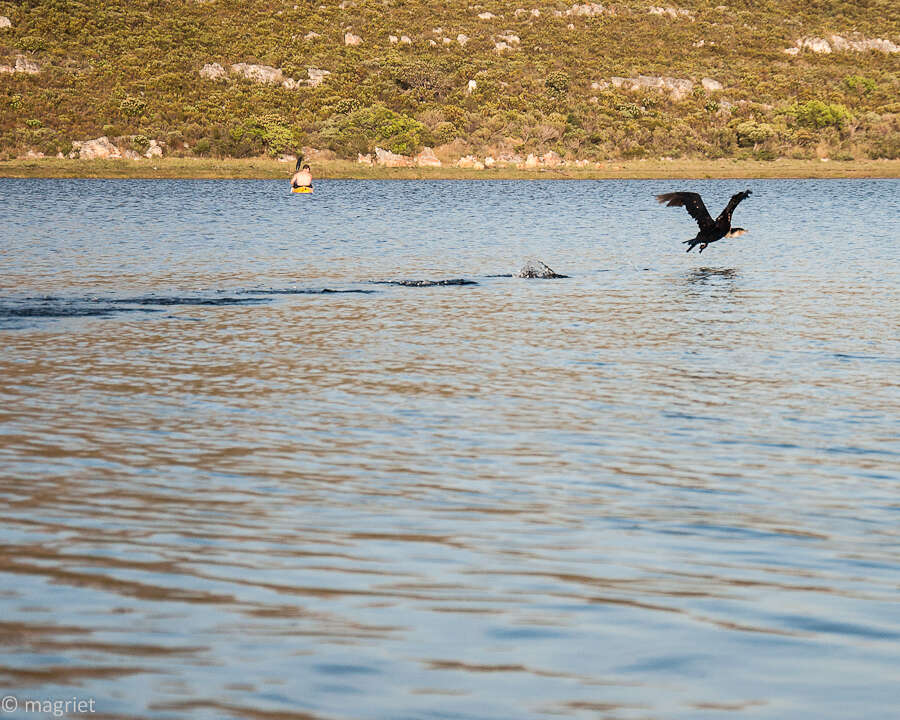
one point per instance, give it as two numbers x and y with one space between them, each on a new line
691 202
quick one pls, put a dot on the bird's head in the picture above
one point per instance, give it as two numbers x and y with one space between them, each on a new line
735 232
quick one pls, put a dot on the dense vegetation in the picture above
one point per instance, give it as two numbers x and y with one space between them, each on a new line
131 70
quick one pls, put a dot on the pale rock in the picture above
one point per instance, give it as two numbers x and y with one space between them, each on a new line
471 87
5 22
388 159
672 12
535 13
531 161
347 4
711 85
462 39
364 159
213 71
447 41
155 150
817 45
129 154
486 16
316 76
471 162
286 158
589 9
393 39
792 51
861 44
489 162
551 159
602 85
351 39
678 88
432 43
501 46
291 84
510 39
311 35
259 73
427 158
570 26
32 155
437 30
404 39
536 270
699 43
23 65
98 149
520 11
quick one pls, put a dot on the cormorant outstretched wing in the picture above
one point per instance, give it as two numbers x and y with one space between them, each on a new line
732 204
692 202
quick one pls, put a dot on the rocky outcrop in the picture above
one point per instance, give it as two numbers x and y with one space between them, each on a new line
351 39
471 162
311 35
23 65
551 159
672 12
386 158
265 74
471 87
154 150
427 158
5 22
316 76
98 149
364 159
590 9
213 71
462 39
510 39
486 16
535 269
678 88
838 43
711 85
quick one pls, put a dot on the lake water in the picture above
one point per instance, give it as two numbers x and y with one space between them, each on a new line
667 486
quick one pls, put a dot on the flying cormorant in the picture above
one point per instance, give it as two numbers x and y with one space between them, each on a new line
710 230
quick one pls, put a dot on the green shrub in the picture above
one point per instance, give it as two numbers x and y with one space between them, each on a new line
817 114
557 83
445 132
360 130
751 133
140 143
860 84
202 147
133 106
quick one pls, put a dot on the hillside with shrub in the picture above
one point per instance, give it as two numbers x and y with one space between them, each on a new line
229 78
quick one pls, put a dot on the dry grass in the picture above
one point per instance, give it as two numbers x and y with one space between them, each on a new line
265 168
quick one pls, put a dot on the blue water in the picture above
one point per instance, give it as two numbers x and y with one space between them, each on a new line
248 469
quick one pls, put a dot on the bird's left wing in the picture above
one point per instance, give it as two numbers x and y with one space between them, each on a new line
691 202
732 204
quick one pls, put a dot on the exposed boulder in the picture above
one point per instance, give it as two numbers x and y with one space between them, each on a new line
510 39
499 47
590 9
351 39
489 162
5 22
393 39
154 150
551 159
711 85
427 158
471 162
486 16
364 159
23 65
316 76
259 73
471 87
404 40
678 88
672 12
98 149
213 71
838 43
388 159
311 35
531 161
462 39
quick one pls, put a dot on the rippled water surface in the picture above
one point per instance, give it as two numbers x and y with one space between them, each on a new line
254 465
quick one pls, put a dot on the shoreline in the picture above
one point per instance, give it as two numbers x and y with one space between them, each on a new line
263 168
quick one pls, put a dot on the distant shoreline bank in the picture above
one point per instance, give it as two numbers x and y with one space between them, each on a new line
271 169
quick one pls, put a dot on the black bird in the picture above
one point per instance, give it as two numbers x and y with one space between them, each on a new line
710 230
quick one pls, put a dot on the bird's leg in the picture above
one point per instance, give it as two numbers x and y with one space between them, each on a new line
703 247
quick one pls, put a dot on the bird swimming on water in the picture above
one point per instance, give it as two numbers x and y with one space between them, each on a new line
710 230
